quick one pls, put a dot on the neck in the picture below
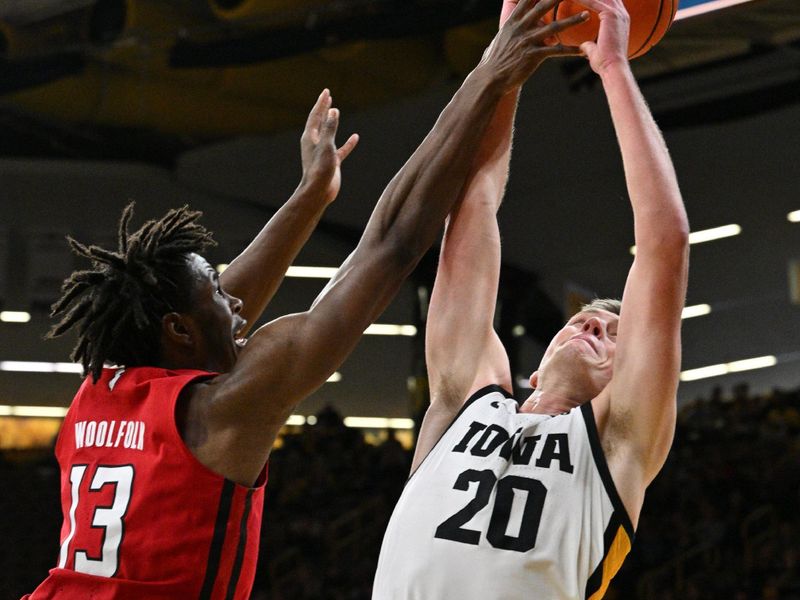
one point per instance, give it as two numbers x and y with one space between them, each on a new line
548 403
174 359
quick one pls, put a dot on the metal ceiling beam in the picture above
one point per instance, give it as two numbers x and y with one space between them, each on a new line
321 29
23 12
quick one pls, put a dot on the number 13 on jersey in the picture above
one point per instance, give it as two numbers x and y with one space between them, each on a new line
109 518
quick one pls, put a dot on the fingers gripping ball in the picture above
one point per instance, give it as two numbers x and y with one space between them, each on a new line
650 20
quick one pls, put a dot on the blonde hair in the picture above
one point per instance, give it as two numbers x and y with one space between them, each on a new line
610 304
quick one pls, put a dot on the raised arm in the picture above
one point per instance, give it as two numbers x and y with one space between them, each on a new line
255 275
287 359
641 396
462 350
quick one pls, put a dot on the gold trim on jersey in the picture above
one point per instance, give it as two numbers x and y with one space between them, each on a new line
613 560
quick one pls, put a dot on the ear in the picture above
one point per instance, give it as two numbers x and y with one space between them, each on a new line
177 329
534 379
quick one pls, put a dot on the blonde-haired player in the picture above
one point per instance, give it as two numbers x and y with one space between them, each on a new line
541 500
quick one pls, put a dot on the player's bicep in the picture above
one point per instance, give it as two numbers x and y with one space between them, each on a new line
647 363
459 333
650 321
437 419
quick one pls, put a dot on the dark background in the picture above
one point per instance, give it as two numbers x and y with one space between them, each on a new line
170 102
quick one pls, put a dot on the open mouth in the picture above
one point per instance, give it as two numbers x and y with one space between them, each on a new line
238 338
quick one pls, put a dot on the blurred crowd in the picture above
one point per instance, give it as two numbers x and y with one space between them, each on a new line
720 521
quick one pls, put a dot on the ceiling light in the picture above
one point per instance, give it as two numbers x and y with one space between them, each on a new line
33 411
708 235
312 272
703 372
378 423
715 233
794 216
386 329
736 366
31 366
299 271
752 363
357 422
697 310
15 316
294 420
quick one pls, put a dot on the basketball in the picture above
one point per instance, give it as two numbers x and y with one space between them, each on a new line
650 20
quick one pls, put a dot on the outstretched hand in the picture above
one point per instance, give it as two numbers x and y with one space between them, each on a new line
612 40
321 158
524 42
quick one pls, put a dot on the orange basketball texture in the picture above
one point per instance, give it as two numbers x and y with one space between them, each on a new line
650 20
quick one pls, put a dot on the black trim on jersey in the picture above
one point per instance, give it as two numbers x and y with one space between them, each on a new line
218 539
484 391
237 563
596 580
602 468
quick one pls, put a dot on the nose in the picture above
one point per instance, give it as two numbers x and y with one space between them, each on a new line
594 326
236 305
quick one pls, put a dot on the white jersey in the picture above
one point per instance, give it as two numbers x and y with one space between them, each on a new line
507 505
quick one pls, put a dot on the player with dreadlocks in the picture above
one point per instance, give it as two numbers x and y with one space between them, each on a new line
163 456
117 306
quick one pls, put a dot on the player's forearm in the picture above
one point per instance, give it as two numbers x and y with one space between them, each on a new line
494 153
413 207
255 275
659 215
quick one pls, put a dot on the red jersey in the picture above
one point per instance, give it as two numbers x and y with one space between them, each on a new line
142 517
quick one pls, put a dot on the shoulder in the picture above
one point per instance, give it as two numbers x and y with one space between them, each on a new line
494 391
492 398
441 420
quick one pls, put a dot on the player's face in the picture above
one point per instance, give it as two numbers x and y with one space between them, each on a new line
583 351
216 314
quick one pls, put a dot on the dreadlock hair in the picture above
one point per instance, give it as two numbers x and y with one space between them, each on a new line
117 305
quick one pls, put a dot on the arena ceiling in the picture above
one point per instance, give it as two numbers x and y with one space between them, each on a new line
186 101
